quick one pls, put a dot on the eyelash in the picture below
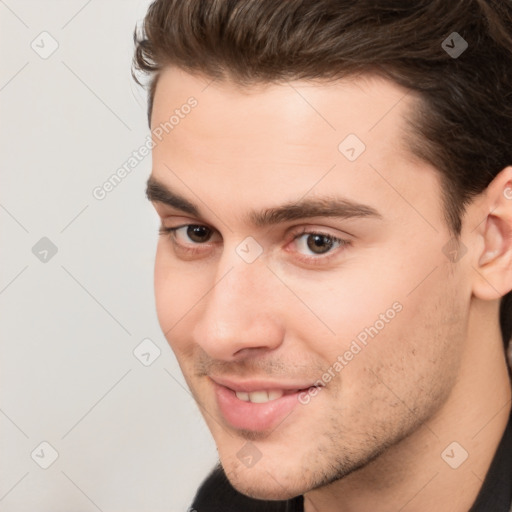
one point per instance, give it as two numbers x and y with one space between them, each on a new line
343 243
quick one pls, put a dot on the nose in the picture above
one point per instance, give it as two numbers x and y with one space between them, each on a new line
241 313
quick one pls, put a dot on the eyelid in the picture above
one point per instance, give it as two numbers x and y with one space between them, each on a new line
343 237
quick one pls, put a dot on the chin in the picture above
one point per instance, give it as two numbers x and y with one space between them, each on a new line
265 491
264 484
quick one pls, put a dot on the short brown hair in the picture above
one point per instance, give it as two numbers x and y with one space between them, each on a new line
463 121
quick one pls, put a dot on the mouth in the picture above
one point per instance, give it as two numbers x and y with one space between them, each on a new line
256 406
263 396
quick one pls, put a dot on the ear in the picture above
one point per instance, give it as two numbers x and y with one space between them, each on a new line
494 265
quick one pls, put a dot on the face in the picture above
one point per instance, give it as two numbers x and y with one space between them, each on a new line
300 275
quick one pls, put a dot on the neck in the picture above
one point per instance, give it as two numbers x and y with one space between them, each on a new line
413 475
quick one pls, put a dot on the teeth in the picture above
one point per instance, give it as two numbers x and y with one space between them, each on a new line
259 397
274 395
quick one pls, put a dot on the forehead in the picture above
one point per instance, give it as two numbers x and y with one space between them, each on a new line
350 105
297 121
273 143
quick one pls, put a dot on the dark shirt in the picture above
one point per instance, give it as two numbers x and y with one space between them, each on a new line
216 494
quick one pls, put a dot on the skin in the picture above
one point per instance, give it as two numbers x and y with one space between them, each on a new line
436 373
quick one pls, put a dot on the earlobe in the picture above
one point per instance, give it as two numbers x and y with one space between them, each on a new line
494 267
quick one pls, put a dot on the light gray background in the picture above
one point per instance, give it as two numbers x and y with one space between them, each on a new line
129 437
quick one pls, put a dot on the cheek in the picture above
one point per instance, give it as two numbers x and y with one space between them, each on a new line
415 359
178 290
393 317
164 296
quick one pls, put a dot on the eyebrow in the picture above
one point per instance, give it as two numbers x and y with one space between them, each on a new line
294 210
157 192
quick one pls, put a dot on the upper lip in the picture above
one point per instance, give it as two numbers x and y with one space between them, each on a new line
259 385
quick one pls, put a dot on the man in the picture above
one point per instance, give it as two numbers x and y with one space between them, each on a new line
334 183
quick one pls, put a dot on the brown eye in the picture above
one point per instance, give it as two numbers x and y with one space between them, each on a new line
199 234
319 244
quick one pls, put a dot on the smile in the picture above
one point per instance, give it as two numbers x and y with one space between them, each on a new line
260 397
256 405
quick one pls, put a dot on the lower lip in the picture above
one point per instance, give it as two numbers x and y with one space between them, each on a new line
249 416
